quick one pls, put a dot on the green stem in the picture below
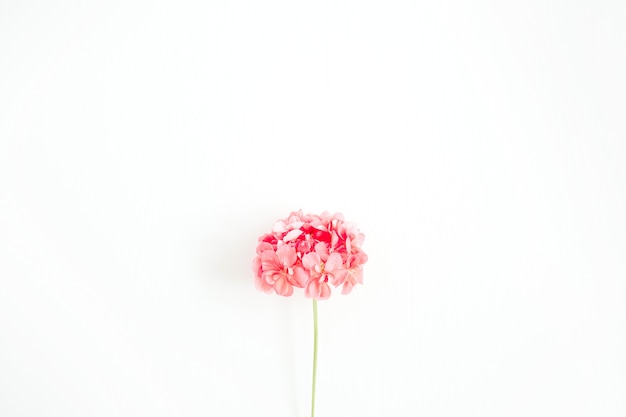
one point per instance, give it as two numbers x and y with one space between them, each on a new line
314 356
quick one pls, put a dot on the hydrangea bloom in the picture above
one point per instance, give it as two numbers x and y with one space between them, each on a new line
314 252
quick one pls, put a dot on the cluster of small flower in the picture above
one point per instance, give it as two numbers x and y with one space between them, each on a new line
310 251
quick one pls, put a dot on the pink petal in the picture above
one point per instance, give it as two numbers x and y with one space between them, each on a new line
292 235
287 256
300 277
347 287
283 287
322 250
312 289
325 291
339 276
279 227
270 261
263 246
333 262
304 246
256 267
358 240
311 261
261 284
358 275
360 258
270 277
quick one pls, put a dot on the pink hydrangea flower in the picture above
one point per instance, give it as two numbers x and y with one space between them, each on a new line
314 252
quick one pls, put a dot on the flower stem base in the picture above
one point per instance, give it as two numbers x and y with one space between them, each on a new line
314 357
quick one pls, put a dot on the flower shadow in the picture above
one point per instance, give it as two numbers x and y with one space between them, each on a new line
225 262
230 247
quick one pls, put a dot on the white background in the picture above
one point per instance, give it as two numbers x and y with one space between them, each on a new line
480 146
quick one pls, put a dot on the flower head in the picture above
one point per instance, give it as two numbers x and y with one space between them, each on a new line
314 252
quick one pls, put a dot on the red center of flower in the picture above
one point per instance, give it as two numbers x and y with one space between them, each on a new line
322 272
